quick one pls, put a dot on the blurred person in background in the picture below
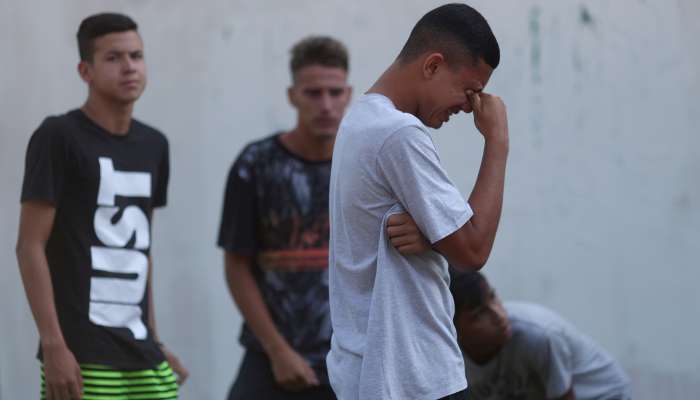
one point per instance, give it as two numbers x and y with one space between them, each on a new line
524 351
274 233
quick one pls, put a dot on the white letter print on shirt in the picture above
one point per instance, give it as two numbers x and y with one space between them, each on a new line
114 301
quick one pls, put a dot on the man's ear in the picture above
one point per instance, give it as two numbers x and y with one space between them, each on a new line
291 96
432 64
84 71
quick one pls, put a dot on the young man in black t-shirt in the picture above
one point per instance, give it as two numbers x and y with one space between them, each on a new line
92 179
274 231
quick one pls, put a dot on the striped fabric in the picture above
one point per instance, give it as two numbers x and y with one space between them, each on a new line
105 383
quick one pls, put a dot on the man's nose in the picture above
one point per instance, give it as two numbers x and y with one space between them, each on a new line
128 64
500 313
326 102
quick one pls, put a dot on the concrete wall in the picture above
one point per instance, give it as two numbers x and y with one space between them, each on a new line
601 219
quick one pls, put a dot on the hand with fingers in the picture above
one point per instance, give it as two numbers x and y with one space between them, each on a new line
62 374
490 116
405 235
292 372
179 369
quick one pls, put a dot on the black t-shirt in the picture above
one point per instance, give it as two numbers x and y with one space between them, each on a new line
104 188
276 211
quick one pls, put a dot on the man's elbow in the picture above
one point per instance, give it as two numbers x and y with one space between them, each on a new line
21 250
465 250
470 261
24 250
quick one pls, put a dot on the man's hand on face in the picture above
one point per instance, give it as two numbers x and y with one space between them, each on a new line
405 235
490 116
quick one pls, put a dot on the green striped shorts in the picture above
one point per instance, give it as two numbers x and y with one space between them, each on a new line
105 383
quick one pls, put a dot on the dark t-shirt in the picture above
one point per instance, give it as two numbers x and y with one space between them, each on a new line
276 211
104 188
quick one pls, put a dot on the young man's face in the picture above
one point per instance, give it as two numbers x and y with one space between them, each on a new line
485 328
445 91
320 94
117 70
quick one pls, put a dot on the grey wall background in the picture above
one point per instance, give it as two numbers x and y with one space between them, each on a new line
602 212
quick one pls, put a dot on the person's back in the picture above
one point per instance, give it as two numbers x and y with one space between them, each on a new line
574 358
392 314
526 351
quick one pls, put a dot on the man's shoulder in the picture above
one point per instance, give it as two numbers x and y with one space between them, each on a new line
377 114
149 131
56 128
259 148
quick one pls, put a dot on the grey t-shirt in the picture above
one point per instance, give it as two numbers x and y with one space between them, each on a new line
544 358
393 336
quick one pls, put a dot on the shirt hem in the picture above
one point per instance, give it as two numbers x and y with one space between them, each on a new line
438 394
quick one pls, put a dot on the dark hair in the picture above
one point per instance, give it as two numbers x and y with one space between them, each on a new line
318 50
457 31
98 25
469 290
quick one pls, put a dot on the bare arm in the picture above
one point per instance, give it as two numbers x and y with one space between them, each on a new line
61 370
290 369
175 364
469 247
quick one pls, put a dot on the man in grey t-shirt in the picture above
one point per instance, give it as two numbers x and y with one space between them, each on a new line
391 311
527 352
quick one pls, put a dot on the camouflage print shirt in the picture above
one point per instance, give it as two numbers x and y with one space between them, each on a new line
276 211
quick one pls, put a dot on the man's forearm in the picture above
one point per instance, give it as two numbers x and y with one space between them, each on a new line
151 306
247 296
36 278
486 200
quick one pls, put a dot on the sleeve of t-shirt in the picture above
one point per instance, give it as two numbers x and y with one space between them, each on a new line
160 197
45 165
411 169
559 367
237 232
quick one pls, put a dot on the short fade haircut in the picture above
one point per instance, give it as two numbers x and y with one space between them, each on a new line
98 25
470 290
318 50
457 31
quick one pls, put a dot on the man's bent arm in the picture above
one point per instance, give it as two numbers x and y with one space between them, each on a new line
469 247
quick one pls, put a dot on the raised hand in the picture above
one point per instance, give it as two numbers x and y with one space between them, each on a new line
490 116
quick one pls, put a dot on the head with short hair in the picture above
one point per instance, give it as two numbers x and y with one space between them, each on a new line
319 89
111 58
318 50
457 31
99 25
480 318
450 52
470 290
